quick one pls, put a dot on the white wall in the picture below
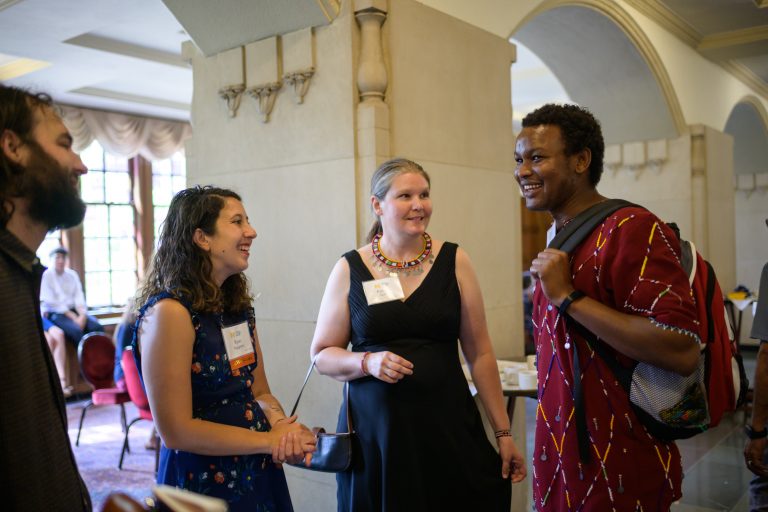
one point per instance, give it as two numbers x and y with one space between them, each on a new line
692 188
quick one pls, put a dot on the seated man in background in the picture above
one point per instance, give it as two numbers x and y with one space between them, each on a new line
56 342
62 300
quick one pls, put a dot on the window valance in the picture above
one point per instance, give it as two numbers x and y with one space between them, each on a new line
124 134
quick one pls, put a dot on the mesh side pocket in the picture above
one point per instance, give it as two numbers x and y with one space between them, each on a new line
670 398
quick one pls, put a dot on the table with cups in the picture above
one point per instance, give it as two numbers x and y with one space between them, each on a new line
518 379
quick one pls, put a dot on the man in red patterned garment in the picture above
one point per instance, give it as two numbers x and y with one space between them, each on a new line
624 283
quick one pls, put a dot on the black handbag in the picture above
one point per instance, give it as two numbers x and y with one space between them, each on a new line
333 452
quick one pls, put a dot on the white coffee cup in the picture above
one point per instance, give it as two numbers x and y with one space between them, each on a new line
528 379
510 376
531 361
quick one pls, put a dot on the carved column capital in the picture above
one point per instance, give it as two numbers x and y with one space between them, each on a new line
232 95
371 73
300 82
265 94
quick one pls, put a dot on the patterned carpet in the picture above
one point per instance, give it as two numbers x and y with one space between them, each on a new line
99 452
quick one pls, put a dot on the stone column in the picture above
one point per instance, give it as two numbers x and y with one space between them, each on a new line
373 137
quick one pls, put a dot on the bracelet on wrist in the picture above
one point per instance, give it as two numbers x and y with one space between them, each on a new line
362 363
503 433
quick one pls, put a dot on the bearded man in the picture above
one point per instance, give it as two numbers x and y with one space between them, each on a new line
39 175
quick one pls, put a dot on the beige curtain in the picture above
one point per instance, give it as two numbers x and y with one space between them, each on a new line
125 135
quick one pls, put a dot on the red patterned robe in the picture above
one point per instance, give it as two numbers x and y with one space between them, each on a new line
629 263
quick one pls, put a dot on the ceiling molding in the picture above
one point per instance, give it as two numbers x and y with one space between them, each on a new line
4 4
744 74
637 36
734 38
131 98
668 19
755 103
108 45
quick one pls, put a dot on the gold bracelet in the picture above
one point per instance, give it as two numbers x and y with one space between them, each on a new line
503 433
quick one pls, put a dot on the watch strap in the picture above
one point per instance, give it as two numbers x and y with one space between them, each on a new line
755 434
573 296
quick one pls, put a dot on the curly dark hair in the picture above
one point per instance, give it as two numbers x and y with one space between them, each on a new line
183 269
579 130
17 114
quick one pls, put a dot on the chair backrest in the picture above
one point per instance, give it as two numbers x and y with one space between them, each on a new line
96 354
133 381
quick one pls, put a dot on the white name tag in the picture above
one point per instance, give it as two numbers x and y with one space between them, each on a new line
383 290
239 345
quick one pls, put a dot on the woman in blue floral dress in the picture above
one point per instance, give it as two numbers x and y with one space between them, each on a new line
223 433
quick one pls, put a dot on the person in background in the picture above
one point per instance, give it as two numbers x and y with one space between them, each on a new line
62 299
755 453
57 342
122 338
420 441
223 432
624 284
39 178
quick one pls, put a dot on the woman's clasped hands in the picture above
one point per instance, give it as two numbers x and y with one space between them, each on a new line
387 366
292 442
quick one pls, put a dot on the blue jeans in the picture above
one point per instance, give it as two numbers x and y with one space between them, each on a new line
758 491
71 329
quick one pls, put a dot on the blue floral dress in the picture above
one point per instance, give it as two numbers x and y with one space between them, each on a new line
221 395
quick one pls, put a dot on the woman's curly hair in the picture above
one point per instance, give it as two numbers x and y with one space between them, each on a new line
183 269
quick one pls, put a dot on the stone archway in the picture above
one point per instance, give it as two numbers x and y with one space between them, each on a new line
748 125
622 80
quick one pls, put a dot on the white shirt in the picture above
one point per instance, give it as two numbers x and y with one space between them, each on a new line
61 292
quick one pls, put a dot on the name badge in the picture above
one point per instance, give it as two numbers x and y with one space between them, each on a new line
383 290
239 345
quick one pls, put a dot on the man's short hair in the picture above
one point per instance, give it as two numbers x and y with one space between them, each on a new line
579 130
59 250
17 114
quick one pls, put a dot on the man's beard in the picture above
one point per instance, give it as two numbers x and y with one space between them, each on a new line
47 185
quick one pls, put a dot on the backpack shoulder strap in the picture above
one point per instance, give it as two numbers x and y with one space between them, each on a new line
570 236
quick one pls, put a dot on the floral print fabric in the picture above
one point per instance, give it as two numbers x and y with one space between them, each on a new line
221 395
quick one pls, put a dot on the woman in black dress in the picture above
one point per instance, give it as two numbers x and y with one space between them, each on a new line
403 301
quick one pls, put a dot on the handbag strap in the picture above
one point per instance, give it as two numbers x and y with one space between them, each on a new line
346 396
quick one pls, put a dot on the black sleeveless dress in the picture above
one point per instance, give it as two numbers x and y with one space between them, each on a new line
420 444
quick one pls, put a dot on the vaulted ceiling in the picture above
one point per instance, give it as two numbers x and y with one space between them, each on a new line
125 55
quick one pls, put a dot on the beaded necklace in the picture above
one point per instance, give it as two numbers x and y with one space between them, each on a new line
381 262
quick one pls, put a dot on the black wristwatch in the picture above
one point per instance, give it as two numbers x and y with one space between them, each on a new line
755 434
573 296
